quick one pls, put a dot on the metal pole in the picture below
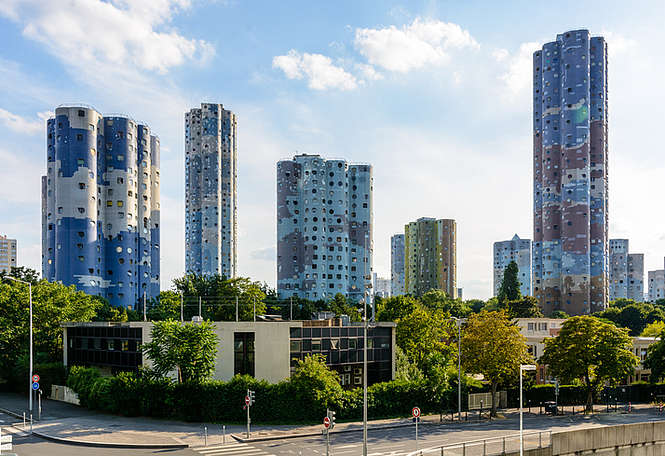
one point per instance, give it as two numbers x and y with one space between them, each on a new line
291 307
200 307
39 407
459 370
254 309
182 314
205 434
224 434
417 418
31 357
247 416
328 442
521 424
144 309
365 352
236 308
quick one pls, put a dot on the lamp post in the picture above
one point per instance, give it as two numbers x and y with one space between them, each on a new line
459 322
523 367
30 378
366 292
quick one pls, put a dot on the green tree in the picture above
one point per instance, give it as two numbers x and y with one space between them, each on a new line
559 314
510 285
655 359
21 273
405 370
591 351
493 346
634 316
524 307
53 304
187 348
340 306
165 307
439 300
395 308
654 329
423 332
107 312
315 383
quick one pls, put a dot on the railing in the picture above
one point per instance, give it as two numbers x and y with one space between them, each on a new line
493 446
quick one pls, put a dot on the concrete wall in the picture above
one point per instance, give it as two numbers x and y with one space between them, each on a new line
646 439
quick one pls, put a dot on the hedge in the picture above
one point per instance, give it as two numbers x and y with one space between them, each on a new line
49 374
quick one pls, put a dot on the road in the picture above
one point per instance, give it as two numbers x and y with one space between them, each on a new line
388 442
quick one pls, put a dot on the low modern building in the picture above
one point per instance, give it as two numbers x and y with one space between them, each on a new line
536 330
519 251
397 265
267 350
430 256
7 254
656 285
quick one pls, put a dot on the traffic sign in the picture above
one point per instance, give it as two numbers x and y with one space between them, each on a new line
35 378
415 412
247 400
326 422
35 386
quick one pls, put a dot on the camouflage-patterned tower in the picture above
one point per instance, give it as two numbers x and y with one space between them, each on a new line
570 245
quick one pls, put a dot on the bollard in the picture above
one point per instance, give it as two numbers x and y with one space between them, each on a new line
224 434
31 423
540 440
464 449
205 435
23 420
504 446
484 447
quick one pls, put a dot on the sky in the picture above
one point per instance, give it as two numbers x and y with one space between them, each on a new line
434 94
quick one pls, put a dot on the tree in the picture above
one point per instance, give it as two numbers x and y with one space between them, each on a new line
524 307
187 348
654 329
107 312
591 351
438 299
405 370
165 307
510 285
21 273
340 306
395 308
493 346
316 383
632 315
423 332
655 359
559 314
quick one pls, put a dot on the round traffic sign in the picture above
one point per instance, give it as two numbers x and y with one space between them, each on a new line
415 412
326 422
35 378
35 386
246 400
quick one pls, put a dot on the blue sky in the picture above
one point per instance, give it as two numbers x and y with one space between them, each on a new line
436 95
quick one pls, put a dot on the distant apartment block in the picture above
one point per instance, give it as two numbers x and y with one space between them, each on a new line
570 150
211 175
324 228
430 258
100 205
519 251
381 286
7 254
397 265
656 285
626 279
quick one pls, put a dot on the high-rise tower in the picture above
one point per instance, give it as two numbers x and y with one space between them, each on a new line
397 265
430 256
324 228
519 251
211 175
570 245
100 205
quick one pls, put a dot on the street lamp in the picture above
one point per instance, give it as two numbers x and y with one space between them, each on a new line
459 322
523 367
29 379
366 292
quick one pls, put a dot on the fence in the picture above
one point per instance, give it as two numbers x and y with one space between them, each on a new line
493 446
483 401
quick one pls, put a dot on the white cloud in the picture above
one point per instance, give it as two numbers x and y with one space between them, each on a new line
519 67
617 43
21 124
423 42
95 35
368 72
318 69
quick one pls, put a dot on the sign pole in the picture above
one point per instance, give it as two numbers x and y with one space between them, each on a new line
247 405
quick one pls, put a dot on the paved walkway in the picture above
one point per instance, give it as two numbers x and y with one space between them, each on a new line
75 424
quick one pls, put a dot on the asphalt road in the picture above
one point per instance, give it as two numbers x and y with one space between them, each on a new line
389 442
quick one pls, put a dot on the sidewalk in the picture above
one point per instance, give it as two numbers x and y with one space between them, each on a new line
76 425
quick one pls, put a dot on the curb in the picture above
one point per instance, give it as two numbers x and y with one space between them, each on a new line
146 446
13 414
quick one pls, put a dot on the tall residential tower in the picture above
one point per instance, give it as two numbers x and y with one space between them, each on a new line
324 228
626 272
211 174
100 205
570 248
430 259
397 265
519 251
7 254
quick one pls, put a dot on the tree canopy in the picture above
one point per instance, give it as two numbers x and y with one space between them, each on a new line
510 285
591 351
493 346
524 307
423 332
187 348
635 316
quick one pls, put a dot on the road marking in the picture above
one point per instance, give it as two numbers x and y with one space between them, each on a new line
240 449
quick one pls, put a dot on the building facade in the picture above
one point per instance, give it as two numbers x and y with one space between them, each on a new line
211 175
397 265
100 205
570 248
265 350
324 228
636 277
519 251
656 285
430 258
7 254
380 286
